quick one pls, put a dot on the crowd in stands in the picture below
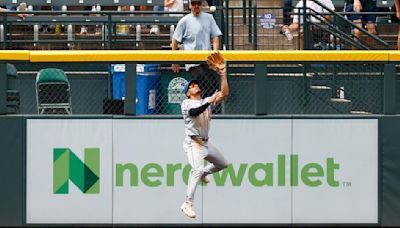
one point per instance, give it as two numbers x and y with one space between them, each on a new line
292 22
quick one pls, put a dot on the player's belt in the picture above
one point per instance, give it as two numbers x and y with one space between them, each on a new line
197 137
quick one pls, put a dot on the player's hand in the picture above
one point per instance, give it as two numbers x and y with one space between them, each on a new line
213 98
398 15
176 68
357 7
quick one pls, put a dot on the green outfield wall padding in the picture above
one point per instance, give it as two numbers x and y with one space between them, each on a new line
12 168
390 171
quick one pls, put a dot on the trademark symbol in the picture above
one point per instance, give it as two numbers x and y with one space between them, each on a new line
346 183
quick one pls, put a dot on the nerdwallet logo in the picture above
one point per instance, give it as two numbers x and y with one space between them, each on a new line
267 174
85 175
67 166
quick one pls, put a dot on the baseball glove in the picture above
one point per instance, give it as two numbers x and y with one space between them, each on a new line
216 62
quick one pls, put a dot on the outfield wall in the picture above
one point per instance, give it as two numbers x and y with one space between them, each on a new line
117 170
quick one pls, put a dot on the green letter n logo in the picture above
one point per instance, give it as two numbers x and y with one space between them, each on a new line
67 166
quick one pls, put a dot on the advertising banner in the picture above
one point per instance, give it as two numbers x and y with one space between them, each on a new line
69 171
149 168
337 171
135 171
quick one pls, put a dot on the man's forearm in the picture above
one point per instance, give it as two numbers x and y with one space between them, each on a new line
224 84
174 45
216 43
397 5
197 111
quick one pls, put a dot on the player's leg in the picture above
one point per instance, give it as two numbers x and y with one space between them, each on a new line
216 159
195 153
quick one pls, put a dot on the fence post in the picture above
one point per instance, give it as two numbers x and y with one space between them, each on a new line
306 27
130 89
109 32
3 88
389 89
255 25
250 21
260 88
226 24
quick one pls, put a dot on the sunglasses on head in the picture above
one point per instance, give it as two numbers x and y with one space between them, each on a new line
198 3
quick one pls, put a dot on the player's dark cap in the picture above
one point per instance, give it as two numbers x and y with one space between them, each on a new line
186 88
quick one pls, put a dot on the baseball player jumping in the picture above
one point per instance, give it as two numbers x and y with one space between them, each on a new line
197 115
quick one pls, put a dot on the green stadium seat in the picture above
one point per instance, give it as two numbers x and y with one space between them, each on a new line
53 92
383 20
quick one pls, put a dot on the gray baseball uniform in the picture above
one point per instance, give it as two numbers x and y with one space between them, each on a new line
199 150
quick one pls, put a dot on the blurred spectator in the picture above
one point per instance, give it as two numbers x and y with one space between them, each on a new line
362 6
210 3
196 31
397 19
84 29
287 8
297 21
155 29
21 8
174 6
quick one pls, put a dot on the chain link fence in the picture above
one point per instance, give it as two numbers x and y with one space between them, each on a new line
291 88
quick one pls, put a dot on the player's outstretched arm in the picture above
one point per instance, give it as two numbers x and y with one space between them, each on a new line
217 63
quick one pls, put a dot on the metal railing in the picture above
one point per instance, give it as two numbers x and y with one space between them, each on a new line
106 30
85 2
247 27
253 27
338 32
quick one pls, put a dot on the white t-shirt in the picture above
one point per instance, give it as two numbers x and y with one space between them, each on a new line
177 6
311 5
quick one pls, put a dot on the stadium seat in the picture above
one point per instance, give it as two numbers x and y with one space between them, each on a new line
384 3
53 92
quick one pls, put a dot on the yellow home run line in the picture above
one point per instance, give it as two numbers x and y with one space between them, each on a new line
251 56
14 55
187 56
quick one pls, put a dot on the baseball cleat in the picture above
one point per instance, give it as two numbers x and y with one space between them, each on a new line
186 208
205 179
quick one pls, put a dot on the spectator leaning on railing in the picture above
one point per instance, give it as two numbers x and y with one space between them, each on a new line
21 15
362 6
297 21
287 8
